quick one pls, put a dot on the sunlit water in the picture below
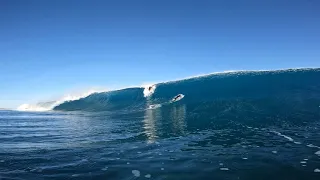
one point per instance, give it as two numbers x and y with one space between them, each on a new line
174 142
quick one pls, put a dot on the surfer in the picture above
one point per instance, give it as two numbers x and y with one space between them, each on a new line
176 97
152 87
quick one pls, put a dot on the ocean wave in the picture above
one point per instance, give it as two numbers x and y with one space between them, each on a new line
205 87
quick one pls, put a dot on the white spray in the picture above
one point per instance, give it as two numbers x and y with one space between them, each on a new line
149 90
50 105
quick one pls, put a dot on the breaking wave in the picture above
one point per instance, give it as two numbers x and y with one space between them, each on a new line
49 105
281 88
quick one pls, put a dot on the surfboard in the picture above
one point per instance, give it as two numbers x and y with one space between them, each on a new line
181 96
155 106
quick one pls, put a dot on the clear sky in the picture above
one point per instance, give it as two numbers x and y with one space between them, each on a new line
48 48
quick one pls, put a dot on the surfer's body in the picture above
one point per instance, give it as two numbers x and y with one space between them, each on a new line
152 86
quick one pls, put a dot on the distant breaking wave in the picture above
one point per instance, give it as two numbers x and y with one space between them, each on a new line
218 86
49 105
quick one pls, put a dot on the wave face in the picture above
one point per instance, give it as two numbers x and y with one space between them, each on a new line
268 90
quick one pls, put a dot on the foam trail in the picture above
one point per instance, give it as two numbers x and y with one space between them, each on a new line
47 106
287 137
149 90
313 146
154 106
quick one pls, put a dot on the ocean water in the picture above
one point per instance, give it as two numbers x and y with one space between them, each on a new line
238 125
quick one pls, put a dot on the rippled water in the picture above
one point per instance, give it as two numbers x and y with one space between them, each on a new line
179 141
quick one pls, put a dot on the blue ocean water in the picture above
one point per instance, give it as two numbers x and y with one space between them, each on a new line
238 125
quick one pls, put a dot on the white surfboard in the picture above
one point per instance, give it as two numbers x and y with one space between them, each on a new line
177 98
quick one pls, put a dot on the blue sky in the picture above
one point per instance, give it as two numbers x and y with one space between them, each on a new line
48 48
